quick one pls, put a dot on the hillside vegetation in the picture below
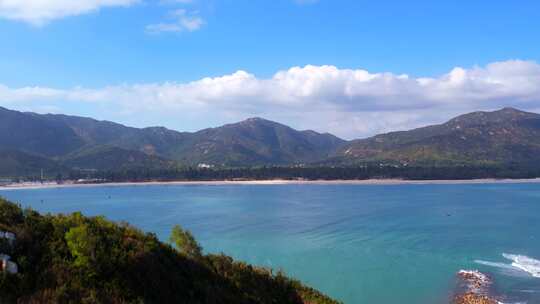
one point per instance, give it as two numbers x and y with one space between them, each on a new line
78 259
79 142
507 138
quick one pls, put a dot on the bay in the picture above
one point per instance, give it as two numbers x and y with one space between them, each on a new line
380 244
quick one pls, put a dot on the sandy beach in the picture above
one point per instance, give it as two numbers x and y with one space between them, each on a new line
270 182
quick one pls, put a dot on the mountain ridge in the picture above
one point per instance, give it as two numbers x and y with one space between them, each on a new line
251 142
501 137
490 137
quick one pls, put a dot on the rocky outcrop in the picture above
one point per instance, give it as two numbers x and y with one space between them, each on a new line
472 298
476 288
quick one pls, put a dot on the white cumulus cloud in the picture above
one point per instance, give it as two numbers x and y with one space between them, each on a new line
40 12
351 103
182 21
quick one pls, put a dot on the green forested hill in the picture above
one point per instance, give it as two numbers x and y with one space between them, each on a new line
257 141
77 259
115 159
507 136
15 164
251 142
36 134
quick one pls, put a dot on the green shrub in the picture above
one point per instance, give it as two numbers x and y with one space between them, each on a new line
78 259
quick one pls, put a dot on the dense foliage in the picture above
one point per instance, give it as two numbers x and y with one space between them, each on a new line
313 173
78 259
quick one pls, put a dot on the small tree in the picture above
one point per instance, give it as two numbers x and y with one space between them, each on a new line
82 243
185 243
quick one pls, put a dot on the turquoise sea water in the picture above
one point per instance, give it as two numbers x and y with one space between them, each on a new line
381 244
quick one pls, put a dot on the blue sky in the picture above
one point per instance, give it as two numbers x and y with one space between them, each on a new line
71 54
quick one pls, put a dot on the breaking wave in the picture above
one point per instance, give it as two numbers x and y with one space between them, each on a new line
520 263
525 263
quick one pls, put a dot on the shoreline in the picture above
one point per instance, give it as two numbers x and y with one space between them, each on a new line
374 182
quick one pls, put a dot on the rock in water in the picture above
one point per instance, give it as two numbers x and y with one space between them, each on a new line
476 286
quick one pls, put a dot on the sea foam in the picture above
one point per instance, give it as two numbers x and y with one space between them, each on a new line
520 263
525 263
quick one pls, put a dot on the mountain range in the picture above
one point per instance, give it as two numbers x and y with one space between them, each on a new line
506 136
30 142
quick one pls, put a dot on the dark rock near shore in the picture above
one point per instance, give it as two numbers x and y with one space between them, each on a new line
476 287
472 298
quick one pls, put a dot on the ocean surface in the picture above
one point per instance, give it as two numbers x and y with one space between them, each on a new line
382 244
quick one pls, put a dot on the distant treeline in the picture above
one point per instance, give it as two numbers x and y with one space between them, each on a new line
307 173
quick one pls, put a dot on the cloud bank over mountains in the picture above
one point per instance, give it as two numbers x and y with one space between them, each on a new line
351 103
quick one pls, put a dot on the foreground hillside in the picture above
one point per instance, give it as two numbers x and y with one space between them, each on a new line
77 259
